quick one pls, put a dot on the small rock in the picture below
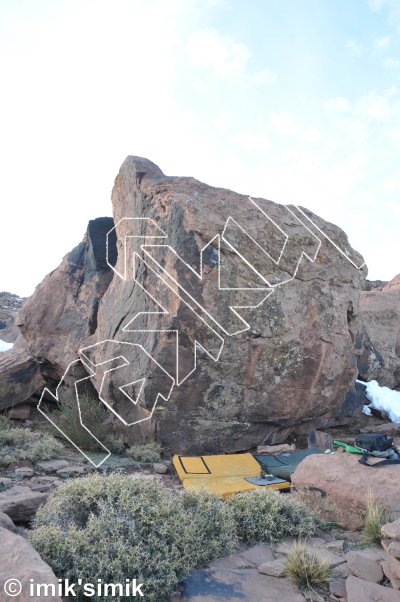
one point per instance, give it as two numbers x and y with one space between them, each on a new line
71 470
275 568
342 571
34 480
25 470
147 472
394 549
390 574
359 590
392 530
20 503
338 588
6 522
334 546
20 413
52 465
274 450
258 554
160 468
353 536
390 429
5 481
40 487
363 567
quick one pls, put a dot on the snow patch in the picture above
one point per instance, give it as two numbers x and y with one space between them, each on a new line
5 346
383 399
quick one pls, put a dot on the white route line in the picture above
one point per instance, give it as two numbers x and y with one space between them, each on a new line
331 241
196 342
127 363
80 414
147 219
232 307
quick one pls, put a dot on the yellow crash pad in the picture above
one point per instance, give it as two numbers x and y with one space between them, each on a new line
223 475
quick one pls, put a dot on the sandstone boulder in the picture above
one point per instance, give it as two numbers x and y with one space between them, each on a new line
242 314
337 486
6 522
19 564
380 312
20 503
19 375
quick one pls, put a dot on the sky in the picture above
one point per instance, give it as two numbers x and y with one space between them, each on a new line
297 102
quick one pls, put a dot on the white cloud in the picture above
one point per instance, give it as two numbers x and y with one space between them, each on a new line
373 106
312 135
391 184
266 76
220 52
251 142
394 206
355 48
337 105
224 120
282 123
375 4
392 62
382 42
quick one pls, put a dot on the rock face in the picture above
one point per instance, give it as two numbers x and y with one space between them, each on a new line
20 564
9 306
337 486
229 321
380 359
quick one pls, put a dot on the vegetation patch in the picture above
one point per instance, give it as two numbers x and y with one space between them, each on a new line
305 567
146 453
94 416
268 516
22 444
119 527
375 517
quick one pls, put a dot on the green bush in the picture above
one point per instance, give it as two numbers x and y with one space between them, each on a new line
22 444
119 527
268 516
94 417
146 453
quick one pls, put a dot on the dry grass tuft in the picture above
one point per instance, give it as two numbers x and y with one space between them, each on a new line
305 567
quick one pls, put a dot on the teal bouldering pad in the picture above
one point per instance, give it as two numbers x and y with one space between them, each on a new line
284 465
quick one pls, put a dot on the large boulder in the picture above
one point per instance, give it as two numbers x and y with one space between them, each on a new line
20 375
20 568
338 487
20 503
380 359
227 321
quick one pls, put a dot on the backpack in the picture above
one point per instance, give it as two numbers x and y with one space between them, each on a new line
377 445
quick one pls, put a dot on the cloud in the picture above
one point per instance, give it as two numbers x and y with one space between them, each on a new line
392 62
337 105
266 76
382 42
251 142
355 48
375 5
282 123
224 120
390 184
212 49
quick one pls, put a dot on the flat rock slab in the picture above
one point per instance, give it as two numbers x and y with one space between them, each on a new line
233 561
19 560
258 554
394 549
359 590
392 530
338 588
223 585
364 567
20 503
275 568
337 487
71 470
391 575
52 465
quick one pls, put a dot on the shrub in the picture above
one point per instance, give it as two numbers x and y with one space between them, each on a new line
4 423
21 444
267 516
146 453
305 567
118 527
94 416
375 517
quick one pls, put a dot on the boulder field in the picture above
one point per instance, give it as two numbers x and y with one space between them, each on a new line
206 319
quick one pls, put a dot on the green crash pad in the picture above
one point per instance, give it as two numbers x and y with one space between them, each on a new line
283 465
